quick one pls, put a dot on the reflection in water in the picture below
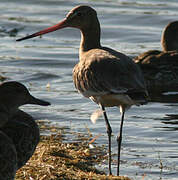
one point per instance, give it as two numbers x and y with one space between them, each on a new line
170 119
172 98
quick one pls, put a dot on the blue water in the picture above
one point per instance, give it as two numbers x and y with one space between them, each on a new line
132 27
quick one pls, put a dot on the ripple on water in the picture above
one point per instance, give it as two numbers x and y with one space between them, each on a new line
150 131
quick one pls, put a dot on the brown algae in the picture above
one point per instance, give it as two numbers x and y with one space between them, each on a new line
56 159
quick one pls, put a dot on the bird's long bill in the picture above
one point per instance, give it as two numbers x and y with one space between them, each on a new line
60 25
33 100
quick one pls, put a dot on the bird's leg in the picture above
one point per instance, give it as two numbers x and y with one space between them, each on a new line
109 132
119 138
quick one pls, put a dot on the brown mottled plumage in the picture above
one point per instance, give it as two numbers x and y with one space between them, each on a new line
24 132
8 158
17 128
104 75
160 68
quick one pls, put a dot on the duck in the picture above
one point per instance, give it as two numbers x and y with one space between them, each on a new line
8 157
25 134
17 125
104 75
160 68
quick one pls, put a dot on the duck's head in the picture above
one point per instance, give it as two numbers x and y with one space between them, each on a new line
14 94
169 38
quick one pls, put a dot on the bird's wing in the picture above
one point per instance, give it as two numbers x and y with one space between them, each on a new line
107 72
142 58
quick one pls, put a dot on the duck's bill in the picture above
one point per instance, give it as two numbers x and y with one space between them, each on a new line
33 100
60 25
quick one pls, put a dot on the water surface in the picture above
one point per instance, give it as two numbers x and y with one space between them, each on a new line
132 27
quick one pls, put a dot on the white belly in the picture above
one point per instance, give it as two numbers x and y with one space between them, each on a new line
111 100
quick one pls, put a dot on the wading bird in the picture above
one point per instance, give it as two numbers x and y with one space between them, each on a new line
106 76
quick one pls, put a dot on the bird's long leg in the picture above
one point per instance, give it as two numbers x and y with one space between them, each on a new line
109 132
119 138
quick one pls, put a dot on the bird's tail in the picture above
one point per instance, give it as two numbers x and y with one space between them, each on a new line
140 98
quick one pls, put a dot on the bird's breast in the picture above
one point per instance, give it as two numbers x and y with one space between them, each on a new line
111 100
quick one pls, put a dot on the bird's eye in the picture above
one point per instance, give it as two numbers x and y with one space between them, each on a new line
79 14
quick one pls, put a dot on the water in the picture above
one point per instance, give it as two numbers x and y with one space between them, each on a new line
132 27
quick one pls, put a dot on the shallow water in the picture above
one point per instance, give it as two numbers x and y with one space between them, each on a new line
150 132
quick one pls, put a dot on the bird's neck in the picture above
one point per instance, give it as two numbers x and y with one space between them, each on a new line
169 41
90 38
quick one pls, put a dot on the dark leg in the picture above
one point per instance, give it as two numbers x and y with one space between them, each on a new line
119 139
109 131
